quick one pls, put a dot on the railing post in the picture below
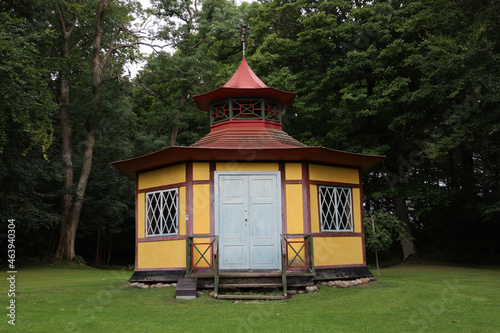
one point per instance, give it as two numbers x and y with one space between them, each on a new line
215 264
311 254
188 255
190 265
284 264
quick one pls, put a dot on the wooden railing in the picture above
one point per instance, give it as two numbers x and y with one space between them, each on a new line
203 255
297 255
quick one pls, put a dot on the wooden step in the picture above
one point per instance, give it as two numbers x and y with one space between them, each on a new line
299 273
254 297
186 288
249 285
250 274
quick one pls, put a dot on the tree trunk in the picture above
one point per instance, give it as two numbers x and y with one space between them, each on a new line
376 252
66 248
175 127
407 243
109 252
98 247
64 251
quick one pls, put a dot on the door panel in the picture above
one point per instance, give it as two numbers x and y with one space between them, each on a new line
264 251
249 222
232 231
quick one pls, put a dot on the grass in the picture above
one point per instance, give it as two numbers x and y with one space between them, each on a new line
404 299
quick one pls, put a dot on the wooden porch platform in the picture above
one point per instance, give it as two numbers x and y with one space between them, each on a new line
233 280
249 274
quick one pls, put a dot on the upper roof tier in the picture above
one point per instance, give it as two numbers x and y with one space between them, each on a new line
244 83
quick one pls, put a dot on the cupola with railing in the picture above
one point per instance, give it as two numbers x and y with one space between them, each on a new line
245 112
244 97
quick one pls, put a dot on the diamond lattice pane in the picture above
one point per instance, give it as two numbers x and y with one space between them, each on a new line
336 208
161 213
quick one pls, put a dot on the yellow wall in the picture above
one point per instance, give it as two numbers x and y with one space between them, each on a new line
315 223
338 251
141 215
182 210
162 177
294 209
333 174
201 209
356 203
201 171
238 166
293 171
161 254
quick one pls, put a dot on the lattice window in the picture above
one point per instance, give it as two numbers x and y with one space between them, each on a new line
220 111
247 109
162 210
335 208
272 110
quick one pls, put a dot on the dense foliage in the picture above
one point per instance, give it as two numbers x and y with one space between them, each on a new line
417 81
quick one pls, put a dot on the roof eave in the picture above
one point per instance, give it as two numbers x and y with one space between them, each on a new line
203 100
174 155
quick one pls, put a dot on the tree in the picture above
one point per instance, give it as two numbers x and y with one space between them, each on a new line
26 100
461 67
104 23
356 91
381 229
199 35
28 188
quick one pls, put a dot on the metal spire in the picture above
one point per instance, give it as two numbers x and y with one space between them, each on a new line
243 30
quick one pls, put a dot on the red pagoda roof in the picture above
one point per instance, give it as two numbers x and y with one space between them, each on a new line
256 134
244 83
245 78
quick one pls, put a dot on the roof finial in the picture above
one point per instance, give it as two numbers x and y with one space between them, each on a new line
244 29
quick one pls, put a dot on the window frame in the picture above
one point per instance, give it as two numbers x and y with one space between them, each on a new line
335 214
147 219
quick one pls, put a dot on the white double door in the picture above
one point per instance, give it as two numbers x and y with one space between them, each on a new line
248 220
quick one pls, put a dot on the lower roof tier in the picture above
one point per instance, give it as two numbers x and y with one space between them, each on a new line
174 155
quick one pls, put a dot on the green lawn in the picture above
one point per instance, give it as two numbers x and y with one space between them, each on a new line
404 299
